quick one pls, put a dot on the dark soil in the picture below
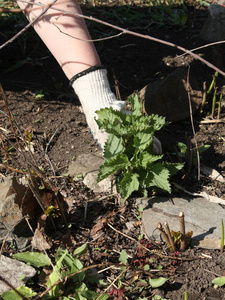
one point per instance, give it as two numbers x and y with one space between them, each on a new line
60 133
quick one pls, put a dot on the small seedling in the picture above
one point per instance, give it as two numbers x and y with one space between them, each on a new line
219 281
213 89
39 94
68 267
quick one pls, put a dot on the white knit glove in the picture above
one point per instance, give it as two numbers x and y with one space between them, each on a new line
93 90
94 93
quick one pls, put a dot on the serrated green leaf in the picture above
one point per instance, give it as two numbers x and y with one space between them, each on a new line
173 167
136 105
219 281
80 250
112 121
123 257
143 140
155 283
113 146
36 259
24 290
129 184
146 159
159 177
156 121
110 166
141 125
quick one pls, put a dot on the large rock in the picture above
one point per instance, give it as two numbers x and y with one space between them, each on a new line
12 271
87 166
201 216
169 97
214 27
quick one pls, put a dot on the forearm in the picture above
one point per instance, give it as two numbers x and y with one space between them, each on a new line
65 35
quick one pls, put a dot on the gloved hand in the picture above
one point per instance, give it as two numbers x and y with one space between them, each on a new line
93 90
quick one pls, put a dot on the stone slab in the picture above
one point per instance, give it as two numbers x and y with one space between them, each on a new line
201 216
88 166
12 270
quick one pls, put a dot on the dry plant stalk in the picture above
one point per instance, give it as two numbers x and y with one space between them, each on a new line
192 123
164 235
182 231
171 241
203 97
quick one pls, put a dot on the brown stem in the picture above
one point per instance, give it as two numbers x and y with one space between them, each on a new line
203 97
192 123
189 155
182 231
162 232
171 242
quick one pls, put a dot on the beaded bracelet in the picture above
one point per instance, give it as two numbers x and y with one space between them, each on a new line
85 72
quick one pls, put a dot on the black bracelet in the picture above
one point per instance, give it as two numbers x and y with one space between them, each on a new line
85 72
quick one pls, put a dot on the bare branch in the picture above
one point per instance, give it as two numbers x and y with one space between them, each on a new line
96 40
192 122
28 25
124 31
202 47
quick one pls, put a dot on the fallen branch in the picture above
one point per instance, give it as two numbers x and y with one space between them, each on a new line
212 121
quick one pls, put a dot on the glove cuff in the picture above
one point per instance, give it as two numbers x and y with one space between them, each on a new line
85 72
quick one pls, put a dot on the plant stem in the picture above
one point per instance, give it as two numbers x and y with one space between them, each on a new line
164 235
170 237
213 103
182 231
219 105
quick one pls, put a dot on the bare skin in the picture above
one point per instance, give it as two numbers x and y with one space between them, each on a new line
65 35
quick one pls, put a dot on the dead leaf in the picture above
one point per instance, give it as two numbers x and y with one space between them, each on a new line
98 226
39 241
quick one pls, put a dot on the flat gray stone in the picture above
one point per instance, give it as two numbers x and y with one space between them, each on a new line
201 216
88 166
12 270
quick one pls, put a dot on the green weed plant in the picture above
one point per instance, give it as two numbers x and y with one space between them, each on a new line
129 151
68 266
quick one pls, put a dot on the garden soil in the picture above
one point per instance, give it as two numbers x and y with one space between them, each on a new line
40 101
